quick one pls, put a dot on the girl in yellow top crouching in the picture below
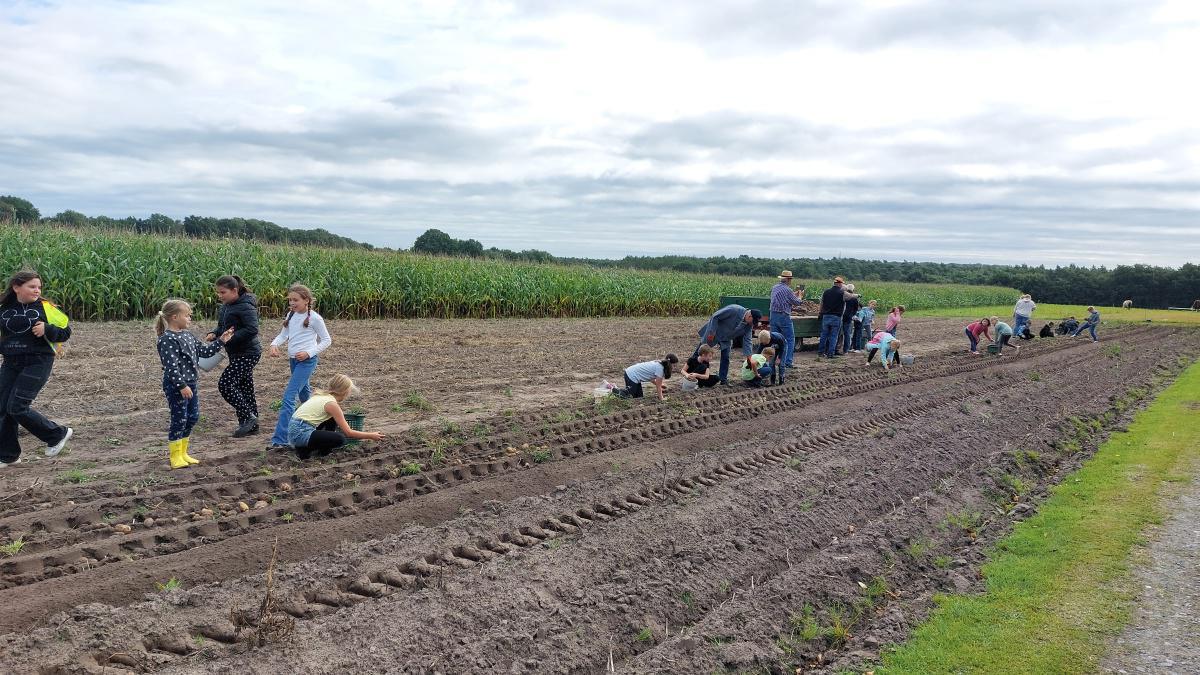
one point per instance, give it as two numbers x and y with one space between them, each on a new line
319 425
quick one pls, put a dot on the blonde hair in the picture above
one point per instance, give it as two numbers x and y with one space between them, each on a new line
340 386
768 352
171 308
994 320
764 337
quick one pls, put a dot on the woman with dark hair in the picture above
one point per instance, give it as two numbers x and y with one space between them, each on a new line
30 330
647 371
239 311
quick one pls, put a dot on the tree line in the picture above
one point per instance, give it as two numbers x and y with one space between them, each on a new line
17 210
1146 285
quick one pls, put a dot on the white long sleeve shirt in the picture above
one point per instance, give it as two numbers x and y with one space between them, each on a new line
314 339
1024 307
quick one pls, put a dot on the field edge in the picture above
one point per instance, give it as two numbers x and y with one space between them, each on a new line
1059 587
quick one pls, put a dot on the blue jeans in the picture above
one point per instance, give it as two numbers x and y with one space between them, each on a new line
847 334
297 389
1091 329
1019 323
831 329
861 338
782 323
185 412
974 340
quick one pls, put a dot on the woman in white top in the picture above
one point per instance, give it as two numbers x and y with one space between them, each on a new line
1023 314
306 336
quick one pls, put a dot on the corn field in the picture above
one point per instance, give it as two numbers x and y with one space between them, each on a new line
102 275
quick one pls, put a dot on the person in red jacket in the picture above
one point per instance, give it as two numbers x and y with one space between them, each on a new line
974 330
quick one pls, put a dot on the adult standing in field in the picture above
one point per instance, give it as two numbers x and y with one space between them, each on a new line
1090 323
239 311
833 302
1023 313
783 299
848 313
30 330
727 324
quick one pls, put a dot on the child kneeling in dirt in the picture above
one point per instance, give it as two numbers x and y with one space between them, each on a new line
319 425
757 367
645 372
886 343
696 370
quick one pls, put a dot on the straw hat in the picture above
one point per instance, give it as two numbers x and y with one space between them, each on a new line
785 275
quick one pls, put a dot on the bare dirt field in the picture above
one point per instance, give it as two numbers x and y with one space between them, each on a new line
511 524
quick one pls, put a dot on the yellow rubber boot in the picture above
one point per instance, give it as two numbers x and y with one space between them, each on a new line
177 460
186 457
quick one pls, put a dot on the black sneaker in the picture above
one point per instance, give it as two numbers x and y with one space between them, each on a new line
279 448
248 427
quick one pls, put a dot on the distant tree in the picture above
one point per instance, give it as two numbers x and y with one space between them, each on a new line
25 211
435 242
70 217
8 212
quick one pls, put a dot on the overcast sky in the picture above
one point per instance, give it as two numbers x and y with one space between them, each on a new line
1037 131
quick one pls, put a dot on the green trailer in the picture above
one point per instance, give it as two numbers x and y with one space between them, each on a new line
805 326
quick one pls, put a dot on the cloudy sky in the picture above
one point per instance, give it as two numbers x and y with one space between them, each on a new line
1008 131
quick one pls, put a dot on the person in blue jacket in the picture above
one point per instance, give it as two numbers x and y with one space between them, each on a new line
1089 324
770 338
731 322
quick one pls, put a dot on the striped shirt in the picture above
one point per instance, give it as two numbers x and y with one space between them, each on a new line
783 298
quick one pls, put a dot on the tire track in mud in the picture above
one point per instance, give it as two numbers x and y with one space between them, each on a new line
327 496
431 568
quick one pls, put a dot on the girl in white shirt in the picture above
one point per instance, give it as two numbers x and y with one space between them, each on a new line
306 336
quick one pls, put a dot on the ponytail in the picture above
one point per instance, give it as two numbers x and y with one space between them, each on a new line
170 308
233 282
666 364
306 293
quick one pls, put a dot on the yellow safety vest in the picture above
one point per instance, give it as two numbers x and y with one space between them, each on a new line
55 317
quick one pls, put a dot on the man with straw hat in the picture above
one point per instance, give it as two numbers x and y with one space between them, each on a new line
783 299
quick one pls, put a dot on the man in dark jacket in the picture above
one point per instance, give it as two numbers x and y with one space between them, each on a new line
833 303
852 307
727 324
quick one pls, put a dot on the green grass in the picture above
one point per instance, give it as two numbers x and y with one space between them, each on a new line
1058 588
1055 313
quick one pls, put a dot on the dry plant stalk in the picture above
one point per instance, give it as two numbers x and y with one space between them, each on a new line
270 624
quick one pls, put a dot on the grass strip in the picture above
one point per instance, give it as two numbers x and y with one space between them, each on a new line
1055 313
1059 587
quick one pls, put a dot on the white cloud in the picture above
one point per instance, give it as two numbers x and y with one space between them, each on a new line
967 130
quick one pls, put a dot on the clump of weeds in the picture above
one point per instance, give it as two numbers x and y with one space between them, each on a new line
169 585
13 547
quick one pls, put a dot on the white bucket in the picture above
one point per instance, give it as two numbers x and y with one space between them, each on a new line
907 359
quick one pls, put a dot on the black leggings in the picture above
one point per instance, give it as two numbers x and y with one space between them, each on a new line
325 439
237 385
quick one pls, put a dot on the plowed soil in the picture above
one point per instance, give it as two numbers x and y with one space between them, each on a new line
518 526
